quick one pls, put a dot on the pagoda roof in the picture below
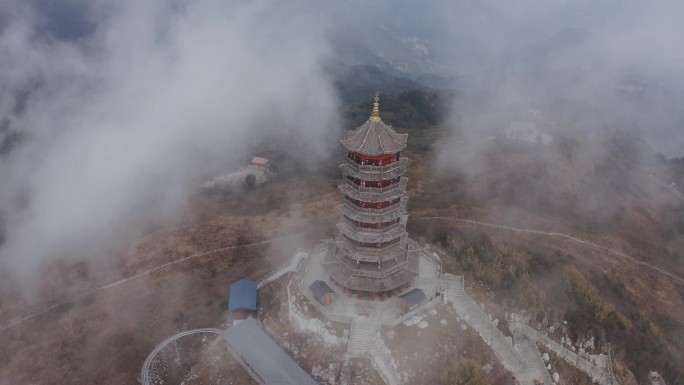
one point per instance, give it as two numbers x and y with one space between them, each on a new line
374 137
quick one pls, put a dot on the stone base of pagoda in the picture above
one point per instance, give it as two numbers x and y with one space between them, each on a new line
372 295
367 280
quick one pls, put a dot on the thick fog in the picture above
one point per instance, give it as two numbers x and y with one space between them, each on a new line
618 59
110 114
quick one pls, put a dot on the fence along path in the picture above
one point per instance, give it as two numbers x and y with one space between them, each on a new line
600 370
145 372
286 268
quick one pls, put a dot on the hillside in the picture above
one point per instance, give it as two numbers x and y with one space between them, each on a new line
613 191
594 192
607 186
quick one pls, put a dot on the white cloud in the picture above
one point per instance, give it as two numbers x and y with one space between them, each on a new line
117 124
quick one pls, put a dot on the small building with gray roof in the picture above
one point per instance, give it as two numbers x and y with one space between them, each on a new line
322 292
263 358
412 299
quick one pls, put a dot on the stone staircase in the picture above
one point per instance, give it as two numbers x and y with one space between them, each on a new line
362 334
382 365
598 367
364 340
453 293
533 368
523 359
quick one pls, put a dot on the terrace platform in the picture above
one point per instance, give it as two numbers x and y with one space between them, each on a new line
345 307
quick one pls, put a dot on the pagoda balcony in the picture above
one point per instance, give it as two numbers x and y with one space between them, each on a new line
372 235
368 169
370 270
403 182
374 254
371 254
390 173
367 278
374 194
350 252
368 215
393 254
346 170
371 229
371 218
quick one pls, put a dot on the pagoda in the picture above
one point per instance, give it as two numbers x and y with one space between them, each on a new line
371 256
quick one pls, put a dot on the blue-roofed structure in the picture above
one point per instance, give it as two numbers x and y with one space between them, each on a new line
243 296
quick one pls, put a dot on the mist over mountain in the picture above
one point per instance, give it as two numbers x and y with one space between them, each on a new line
612 58
127 114
112 114
616 56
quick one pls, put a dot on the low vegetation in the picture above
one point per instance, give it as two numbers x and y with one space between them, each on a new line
500 265
596 306
465 371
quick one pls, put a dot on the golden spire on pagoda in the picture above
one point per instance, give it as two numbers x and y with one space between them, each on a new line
375 117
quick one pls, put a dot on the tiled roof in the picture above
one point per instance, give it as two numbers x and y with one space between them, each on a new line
374 138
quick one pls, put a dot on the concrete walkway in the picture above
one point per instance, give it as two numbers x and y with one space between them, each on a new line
365 340
290 267
525 361
596 366
362 334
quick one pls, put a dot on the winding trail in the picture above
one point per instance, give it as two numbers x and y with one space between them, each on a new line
670 187
145 273
558 235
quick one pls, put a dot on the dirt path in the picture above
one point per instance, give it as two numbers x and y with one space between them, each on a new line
558 235
669 187
142 274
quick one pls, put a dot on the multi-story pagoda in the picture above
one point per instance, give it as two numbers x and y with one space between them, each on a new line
371 254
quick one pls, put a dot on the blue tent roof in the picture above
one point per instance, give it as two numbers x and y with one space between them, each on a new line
243 295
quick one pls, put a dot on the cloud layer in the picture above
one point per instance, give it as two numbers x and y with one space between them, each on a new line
115 125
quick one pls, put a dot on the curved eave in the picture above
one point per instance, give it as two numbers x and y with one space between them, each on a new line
367 172
367 215
369 237
374 138
369 197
